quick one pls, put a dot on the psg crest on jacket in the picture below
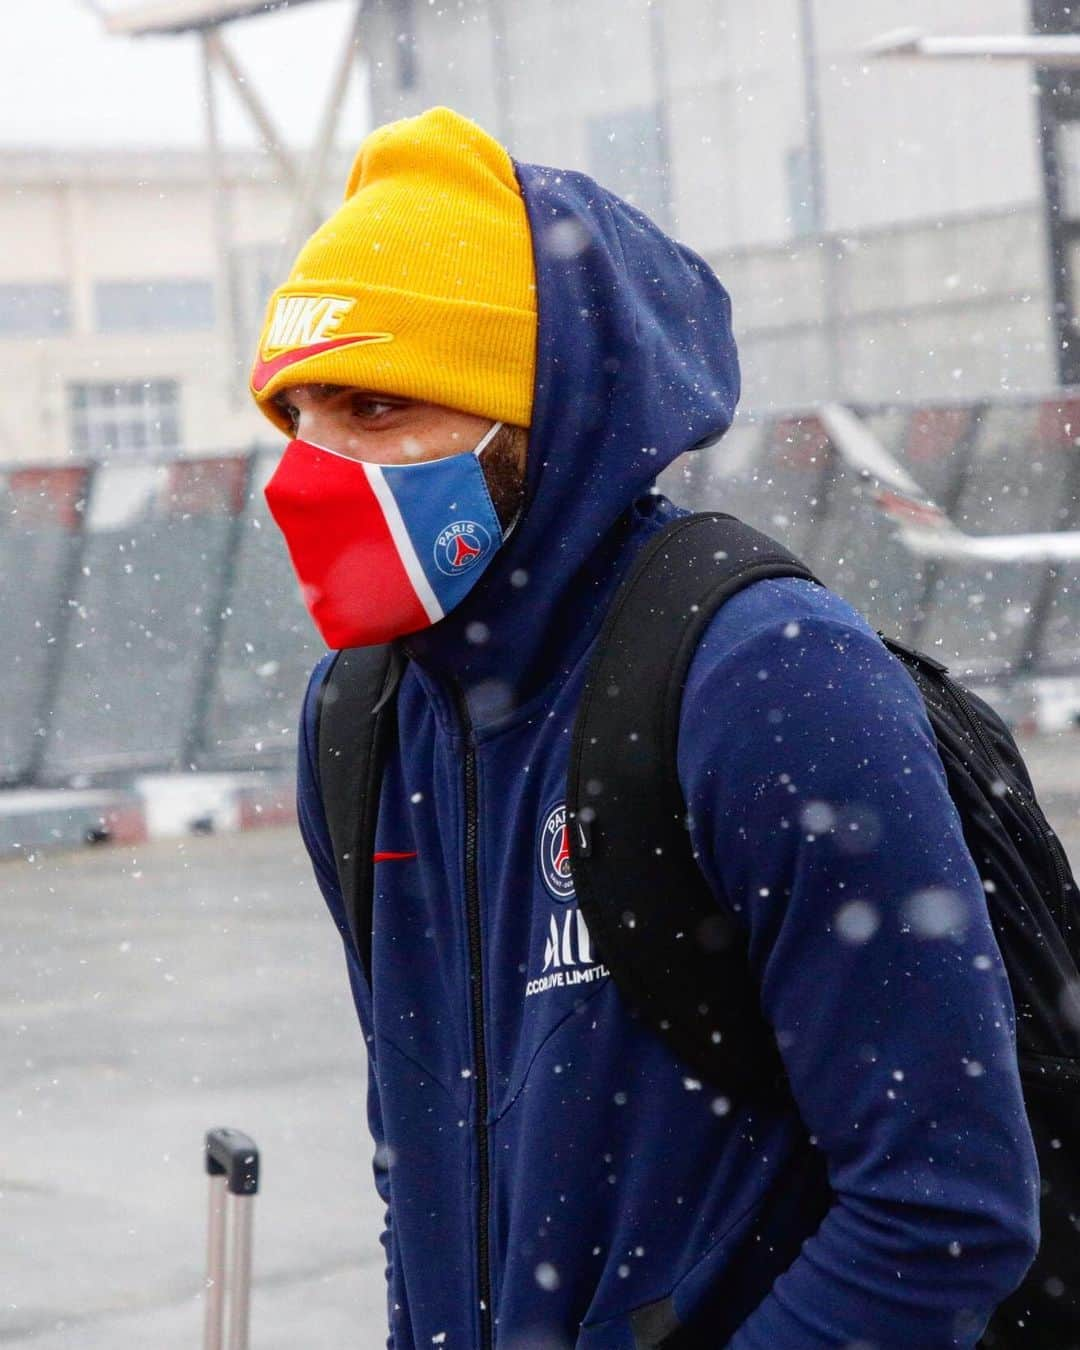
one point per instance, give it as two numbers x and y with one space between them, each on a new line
555 854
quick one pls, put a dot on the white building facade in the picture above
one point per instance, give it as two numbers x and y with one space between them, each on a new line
120 335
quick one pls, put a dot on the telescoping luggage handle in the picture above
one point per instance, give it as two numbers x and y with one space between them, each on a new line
232 1161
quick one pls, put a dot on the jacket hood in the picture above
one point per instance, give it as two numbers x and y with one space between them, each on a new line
635 364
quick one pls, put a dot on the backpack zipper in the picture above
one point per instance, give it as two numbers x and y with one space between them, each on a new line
476 984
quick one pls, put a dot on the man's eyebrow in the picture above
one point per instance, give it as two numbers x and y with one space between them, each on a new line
374 393
329 391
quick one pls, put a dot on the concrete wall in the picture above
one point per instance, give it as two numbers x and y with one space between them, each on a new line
897 137
952 307
934 277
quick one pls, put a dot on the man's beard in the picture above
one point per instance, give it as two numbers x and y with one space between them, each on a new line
503 462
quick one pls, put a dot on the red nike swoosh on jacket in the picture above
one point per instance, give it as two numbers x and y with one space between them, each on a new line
392 857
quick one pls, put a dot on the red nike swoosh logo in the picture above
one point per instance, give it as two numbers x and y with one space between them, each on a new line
392 857
264 371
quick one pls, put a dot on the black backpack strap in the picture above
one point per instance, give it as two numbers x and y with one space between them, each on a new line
355 720
675 954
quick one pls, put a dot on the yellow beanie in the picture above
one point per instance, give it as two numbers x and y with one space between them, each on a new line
421 284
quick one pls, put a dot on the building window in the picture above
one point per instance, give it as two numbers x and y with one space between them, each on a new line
1055 16
34 309
128 418
153 306
627 153
1068 167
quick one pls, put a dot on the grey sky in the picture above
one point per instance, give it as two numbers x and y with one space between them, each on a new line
67 83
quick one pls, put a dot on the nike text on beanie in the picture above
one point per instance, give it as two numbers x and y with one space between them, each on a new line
421 284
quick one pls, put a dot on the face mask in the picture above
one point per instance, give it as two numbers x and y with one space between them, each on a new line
382 550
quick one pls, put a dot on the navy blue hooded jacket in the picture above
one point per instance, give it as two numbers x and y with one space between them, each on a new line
550 1169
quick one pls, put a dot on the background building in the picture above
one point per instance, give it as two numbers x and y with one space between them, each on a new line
115 329
891 232
884 228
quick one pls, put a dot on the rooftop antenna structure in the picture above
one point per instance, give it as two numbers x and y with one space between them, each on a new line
207 18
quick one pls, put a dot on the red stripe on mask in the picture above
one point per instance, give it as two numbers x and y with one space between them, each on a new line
351 575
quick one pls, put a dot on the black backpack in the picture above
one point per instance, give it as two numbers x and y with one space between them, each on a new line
675 957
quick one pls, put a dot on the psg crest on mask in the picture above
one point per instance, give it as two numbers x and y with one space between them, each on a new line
555 854
461 546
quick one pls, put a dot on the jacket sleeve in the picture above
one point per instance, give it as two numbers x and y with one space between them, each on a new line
820 813
316 836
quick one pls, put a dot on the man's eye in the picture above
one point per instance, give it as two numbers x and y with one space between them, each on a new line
370 409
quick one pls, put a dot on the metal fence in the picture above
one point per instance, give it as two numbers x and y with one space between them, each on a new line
40 544
151 619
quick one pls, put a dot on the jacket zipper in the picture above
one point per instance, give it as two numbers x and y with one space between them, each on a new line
476 984
1027 803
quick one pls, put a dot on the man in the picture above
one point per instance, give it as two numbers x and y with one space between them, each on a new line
553 1176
